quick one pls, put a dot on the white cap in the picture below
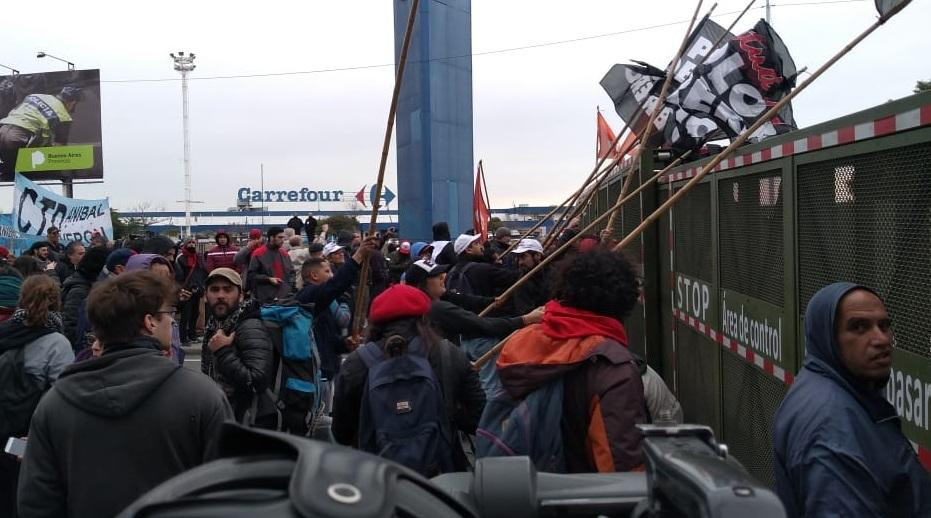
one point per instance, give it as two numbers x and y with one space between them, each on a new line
528 245
329 248
463 242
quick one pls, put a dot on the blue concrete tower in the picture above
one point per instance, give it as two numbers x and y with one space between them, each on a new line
434 118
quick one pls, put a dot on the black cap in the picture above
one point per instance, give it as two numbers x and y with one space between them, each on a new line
422 270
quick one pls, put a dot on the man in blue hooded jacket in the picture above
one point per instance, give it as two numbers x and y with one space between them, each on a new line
839 446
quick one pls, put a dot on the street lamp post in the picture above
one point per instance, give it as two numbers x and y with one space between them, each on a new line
11 69
41 54
184 64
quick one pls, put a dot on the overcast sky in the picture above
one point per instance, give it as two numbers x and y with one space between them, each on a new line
534 120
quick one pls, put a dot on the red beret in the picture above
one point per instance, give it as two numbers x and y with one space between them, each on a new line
397 302
255 234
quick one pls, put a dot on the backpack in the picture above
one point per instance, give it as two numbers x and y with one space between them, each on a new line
458 281
527 426
403 418
295 391
19 394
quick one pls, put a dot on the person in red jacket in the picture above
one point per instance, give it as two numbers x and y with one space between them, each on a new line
583 341
223 255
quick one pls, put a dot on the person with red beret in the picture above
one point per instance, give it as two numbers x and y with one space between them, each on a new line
398 325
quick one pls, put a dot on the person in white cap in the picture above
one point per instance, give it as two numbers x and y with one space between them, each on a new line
535 291
472 274
335 255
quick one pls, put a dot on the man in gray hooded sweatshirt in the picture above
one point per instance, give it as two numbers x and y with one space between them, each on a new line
114 427
839 445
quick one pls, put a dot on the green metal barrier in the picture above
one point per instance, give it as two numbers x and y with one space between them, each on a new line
729 271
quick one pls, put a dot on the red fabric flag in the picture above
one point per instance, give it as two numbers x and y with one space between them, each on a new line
480 212
604 140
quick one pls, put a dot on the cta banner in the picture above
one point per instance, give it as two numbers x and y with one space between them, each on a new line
50 125
35 209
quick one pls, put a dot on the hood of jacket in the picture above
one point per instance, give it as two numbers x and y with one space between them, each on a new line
119 381
216 238
822 355
532 357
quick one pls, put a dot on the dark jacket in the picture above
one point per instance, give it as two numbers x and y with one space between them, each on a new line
397 265
839 446
603 394
264 264
74 294
534 293
462 394
296 224
246 367
486 279
190 278
326 329
114 427
64 269
454 322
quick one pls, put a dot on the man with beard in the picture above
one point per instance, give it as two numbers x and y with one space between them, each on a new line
535 291
270 269
238 351
40 250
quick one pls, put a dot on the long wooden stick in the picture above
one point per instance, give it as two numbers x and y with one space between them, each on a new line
657 109
497 348
704 58
362 293
766 117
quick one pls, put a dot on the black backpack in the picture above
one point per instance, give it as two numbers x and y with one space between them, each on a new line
458 281
19 394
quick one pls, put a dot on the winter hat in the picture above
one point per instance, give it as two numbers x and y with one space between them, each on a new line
418 247
405 248
119 257
441 232
463 242
255 234
93 262
397 302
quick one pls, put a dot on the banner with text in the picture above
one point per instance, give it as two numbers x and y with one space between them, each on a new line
35 209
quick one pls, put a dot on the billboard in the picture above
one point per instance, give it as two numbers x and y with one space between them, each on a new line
50 125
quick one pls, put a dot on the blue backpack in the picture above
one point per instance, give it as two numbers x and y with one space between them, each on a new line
527 426
403 417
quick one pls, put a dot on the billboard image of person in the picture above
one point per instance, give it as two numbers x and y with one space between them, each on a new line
50 125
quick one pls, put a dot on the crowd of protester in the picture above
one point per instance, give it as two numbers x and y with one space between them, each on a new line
94 338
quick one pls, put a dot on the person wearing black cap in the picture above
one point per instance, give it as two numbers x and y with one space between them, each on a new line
453 321
116 262
55 248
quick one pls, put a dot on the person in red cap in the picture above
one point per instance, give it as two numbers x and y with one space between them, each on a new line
401 338
398 261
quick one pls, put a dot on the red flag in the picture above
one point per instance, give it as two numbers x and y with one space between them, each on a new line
480 212
605 139
628 141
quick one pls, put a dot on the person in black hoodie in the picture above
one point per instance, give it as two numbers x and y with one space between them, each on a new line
74 293
141 419
441 237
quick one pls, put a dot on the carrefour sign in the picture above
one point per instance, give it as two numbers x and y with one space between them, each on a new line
305 195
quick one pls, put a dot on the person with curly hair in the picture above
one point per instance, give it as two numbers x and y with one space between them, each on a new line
583 343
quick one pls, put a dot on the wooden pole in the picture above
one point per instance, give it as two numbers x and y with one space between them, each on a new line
657 109
362 294
749 131
704 58
497 348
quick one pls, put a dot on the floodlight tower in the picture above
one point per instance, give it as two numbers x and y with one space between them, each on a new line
184 64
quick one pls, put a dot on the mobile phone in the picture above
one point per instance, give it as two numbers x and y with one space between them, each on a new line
15 446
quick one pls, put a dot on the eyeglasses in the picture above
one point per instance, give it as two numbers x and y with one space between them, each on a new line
169 312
